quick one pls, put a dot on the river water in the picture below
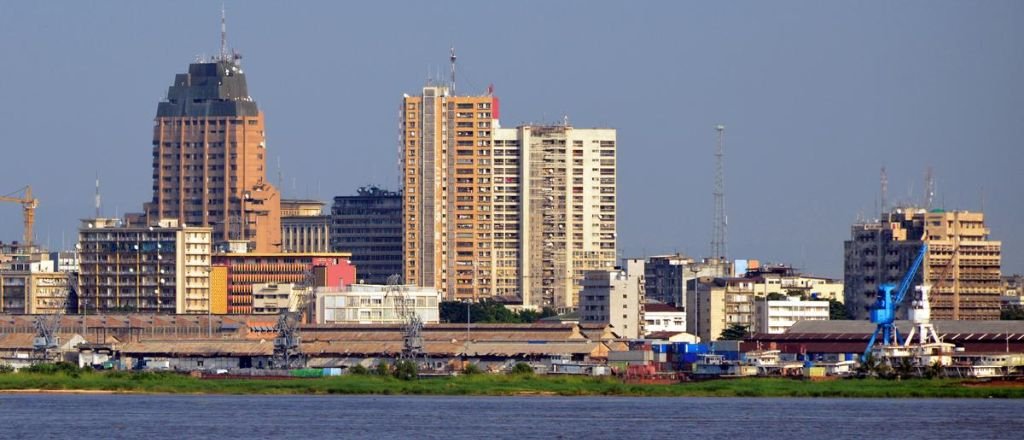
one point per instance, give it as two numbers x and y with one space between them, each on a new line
336 417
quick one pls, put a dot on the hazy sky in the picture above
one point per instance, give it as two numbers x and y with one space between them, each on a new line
816 97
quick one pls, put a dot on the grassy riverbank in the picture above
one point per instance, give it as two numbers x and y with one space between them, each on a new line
489 385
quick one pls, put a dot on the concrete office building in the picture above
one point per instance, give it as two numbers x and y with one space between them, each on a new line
163 268
209 157
368 225
666 277
304 227
372 304
962 264
615 297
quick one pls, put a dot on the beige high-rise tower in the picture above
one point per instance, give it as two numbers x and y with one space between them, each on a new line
511 214
209 157
447 192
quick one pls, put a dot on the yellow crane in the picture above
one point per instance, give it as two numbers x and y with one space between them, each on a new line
28 207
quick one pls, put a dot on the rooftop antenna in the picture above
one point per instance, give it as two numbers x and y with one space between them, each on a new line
223 34
97 200
718 234
452 59
885 191
929 188
280 177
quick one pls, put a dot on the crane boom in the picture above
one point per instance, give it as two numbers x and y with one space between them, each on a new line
28 206
883 311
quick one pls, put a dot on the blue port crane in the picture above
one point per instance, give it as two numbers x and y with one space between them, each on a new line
889 297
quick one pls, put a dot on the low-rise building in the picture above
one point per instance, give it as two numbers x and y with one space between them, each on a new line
777 316
664 318
615 297
715 304
244 270
374 304
273 298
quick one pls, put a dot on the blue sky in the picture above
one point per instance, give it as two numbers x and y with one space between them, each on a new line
816 97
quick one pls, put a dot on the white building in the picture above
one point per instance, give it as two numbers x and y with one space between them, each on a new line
371 304
778 316
664 318
615 297
271 298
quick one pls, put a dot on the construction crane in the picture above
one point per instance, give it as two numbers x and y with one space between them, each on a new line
883 311
412 325
287 353
28 206
46 342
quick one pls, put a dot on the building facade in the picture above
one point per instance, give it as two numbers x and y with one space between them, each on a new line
245 270
962 264
514 214
368 225
778 316
447 187
718 303
664 318
615 297
163 268
304 228
272 299
209 157
568 221
667 276
372 304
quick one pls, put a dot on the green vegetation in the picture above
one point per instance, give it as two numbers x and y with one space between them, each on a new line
735 332
522 368
837 310
1012 313
490 311
499 385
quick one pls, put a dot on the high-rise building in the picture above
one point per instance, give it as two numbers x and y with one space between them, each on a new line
447 186
514 214
163 268
962 264
369 226
568 223
209 157
304 227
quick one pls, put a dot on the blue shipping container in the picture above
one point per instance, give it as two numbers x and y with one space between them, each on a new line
660 348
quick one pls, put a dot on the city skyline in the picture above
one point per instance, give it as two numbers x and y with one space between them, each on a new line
905 86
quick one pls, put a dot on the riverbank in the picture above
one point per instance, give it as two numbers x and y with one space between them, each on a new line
492 385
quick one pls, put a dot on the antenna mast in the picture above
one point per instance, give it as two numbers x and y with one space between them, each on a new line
97 201
884 182
452 59
718 240
224 56
929 188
